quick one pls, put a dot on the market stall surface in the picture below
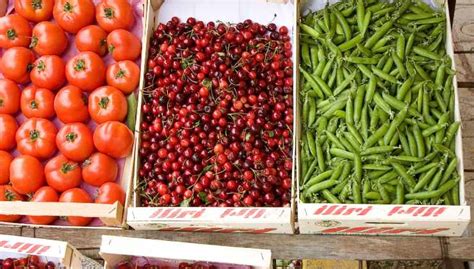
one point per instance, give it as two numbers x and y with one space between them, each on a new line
325 246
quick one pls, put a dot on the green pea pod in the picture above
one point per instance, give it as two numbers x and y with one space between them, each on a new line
342 153
358 167
402 172
388 177
311 143
403 90
317 187
451 132
377 135
318 178
330 197
343 85
310 171
383 75
400 66
378 34
305 55
374 119
419 141
311 112
343 22
358 102
351 43
312 82
356 192
431 194
310 31
425 179
349 111
400 194
382 104
394 125
455 194
313 51
436 180
322 124
327 69
320 157
340 186
366 22
362 60
364 125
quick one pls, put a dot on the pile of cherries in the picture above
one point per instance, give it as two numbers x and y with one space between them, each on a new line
30 262
217 115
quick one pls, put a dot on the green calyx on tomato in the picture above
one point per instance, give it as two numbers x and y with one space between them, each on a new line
104 101
34 135
71 137
34 104
34 42
10 196
67 7
41 66
67 167
120 74
37 4
11 34
109 12
111 48
80 65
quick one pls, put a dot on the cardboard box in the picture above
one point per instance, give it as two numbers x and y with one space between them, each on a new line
110 215
118 249
419 220
59 252
245 219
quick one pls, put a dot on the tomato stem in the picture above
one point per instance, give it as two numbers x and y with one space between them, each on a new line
67 7
41 65
111 48
80 65
71 137
37 4
34 42
9 195
34 104
34 135
67 167
104 101
11 34
109 12
120 74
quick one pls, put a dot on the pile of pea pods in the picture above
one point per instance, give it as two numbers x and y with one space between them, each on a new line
377 101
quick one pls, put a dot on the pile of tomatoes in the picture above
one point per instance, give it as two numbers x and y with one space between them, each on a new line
66 126
30 262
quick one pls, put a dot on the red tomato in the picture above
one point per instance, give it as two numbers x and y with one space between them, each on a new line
37 103
114 14
92 38
5 160
123 45
44 194
72 15
7 193
114 139
99 169
124 76
15 31
107 104
16 64
110 193
76 195
35 10
8 127
9 97
62 174
48 72
74 141
48 39
37 137
86 70
26 174
70 105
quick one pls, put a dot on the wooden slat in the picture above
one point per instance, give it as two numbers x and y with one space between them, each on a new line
463 27
465 68
282 246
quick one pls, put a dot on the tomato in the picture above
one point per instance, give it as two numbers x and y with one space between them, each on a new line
9 97
86 70
123 75
70 105
48 72
15 31
114 14
72 15
7 193
26 174
5 160
8 127
44 194
74 141
76 195
107 104
16 64
37 137
99 169
114 139
62 174
123 45
37 103
110 193
35 10
92 38
48 39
